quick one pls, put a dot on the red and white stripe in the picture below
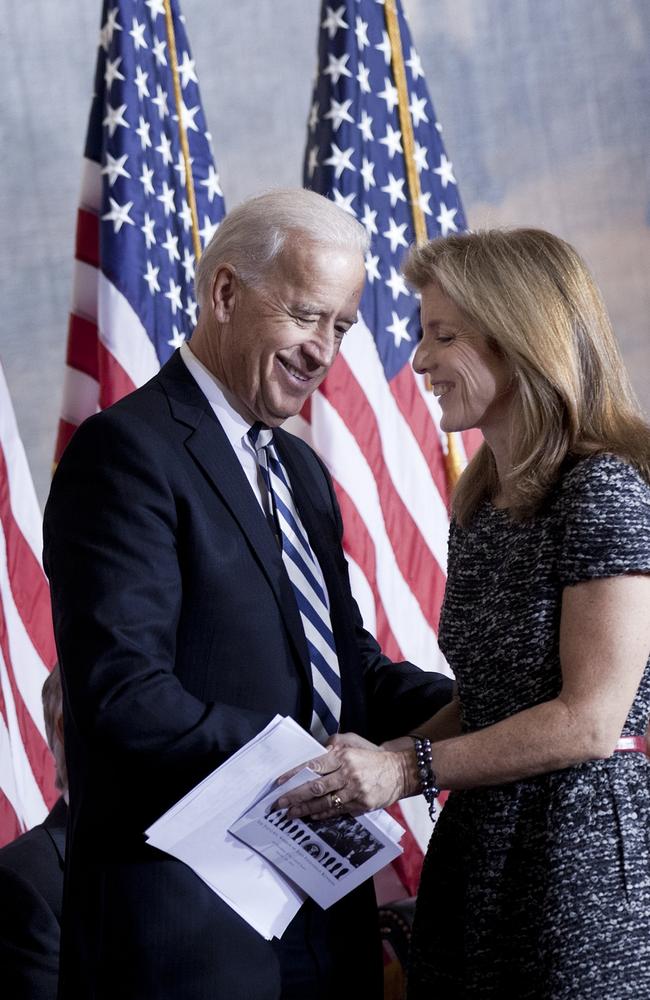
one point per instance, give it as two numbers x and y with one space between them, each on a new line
27 650
382 443
109 353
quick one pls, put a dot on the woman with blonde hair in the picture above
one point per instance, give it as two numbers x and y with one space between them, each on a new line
537 879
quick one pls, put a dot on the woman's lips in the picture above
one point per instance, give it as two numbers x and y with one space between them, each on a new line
441 388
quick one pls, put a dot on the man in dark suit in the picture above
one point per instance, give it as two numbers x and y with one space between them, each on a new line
31 882
178 626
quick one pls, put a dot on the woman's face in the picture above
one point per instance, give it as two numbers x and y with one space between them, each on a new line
473 382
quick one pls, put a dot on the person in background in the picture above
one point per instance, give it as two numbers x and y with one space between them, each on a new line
199 587
31 881
537 879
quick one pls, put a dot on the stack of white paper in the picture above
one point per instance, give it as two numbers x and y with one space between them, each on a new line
196 830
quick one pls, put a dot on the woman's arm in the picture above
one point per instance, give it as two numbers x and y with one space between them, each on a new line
442 726
604 648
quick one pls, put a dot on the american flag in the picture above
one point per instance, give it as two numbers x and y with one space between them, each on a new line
373 420
132 301
27 651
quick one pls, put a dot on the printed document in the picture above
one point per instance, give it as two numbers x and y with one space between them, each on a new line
326 858
195 829
265 871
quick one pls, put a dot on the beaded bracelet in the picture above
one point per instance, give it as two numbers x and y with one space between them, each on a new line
425 771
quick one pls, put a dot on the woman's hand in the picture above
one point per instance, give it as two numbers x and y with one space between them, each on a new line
354 777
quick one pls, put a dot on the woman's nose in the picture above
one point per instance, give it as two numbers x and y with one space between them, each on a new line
422 359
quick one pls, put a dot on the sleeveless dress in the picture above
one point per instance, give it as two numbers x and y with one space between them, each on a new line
539 888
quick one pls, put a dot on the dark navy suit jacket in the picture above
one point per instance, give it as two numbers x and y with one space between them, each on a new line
31 890
179 638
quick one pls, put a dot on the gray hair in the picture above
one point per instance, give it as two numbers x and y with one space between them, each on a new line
252 235
52 696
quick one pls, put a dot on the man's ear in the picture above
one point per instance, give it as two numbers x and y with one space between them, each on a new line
224 289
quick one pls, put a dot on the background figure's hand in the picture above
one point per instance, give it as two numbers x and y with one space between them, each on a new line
353 780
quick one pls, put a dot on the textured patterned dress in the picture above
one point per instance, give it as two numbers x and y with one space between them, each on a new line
539 888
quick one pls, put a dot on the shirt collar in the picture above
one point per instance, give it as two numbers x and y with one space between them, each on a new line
235 426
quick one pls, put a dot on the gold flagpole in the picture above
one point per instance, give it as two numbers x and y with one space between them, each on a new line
453 463
182 132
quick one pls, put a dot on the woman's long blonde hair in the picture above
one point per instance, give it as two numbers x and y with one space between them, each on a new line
532 294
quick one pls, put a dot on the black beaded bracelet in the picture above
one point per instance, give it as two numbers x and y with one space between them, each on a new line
425 771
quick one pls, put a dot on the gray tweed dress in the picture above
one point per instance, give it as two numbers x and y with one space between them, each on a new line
539 888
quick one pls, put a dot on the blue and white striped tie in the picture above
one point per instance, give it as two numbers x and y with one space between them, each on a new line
308 585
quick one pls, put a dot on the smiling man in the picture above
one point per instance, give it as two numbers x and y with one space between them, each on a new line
199 588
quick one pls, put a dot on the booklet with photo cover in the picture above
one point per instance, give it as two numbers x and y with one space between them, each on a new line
325 858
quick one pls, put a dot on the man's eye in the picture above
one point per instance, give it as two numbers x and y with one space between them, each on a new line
444 339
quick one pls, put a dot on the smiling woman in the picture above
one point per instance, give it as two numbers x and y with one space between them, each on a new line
469 375
525 301
537 878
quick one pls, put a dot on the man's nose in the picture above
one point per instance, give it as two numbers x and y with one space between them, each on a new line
322 349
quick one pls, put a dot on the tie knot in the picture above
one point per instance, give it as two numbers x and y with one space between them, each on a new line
260 435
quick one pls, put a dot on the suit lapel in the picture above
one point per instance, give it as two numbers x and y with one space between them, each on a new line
210 449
